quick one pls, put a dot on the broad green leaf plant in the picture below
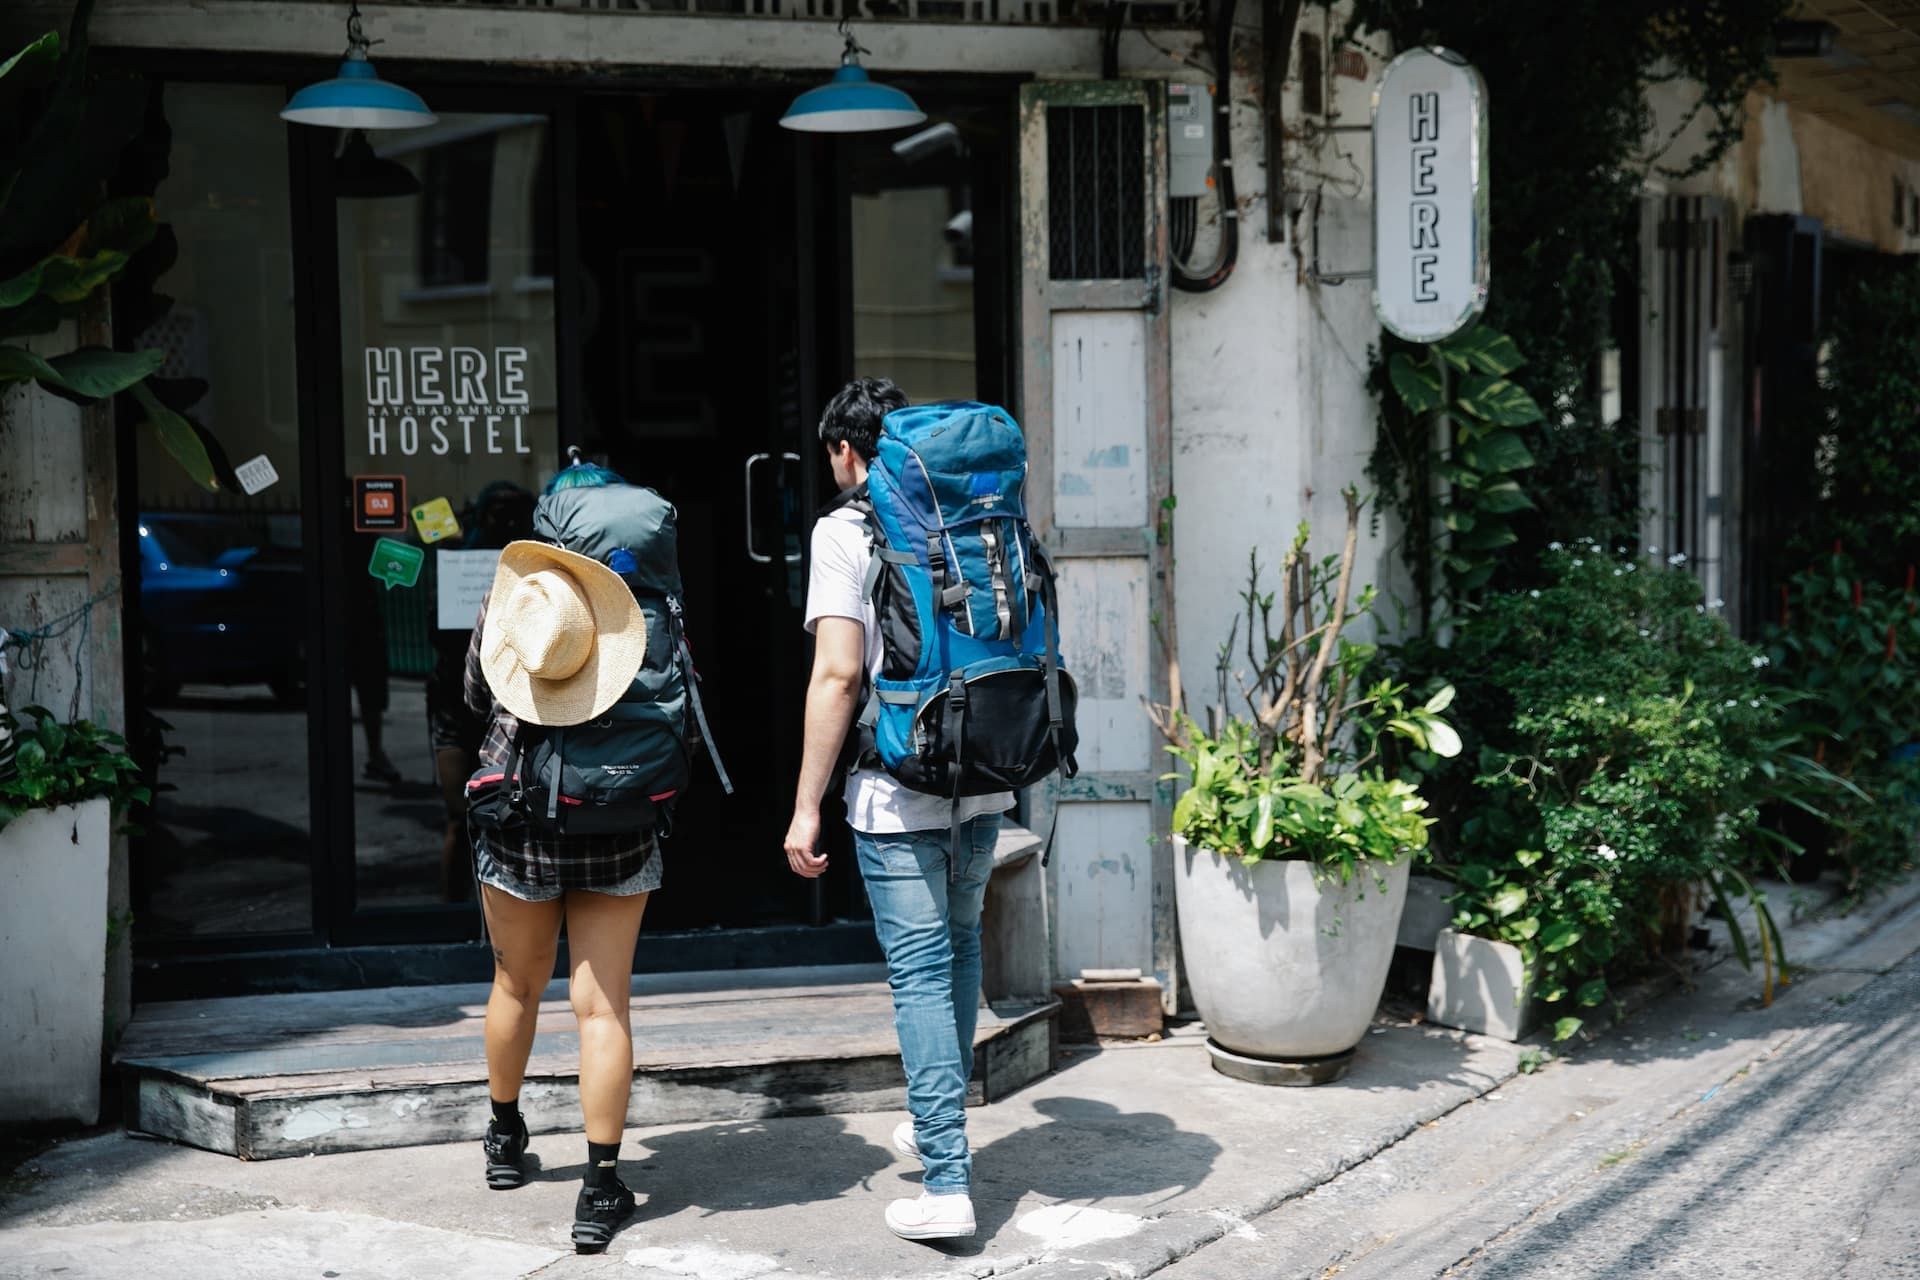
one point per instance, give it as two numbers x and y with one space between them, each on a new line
1302 775
62 241
1460 388
45 764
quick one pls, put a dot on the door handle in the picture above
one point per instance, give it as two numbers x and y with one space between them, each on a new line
753 553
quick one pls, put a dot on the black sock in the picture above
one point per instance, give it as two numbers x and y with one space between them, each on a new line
603 1159
506 1115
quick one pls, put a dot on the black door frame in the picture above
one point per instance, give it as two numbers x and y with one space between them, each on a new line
347 945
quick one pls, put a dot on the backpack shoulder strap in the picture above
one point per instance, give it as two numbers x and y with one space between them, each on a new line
858 497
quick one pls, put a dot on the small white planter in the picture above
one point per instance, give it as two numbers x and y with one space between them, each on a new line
1482 986
1427 912
1281 966
53 953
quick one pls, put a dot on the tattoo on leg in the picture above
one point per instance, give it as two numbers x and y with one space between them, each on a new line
500 957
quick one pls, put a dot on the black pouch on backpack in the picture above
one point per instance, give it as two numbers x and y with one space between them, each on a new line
492 809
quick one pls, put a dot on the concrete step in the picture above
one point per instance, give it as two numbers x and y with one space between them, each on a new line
263 1077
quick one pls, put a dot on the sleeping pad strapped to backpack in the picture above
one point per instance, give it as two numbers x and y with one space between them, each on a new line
971 697
623 770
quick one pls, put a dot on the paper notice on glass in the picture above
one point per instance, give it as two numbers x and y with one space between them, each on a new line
464 579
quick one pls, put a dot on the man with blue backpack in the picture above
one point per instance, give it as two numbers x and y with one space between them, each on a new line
937 681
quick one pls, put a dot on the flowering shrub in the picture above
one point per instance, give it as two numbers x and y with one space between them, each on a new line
1624 742
1848 649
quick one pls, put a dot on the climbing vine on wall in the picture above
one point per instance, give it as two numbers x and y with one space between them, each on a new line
1573 140
1462 389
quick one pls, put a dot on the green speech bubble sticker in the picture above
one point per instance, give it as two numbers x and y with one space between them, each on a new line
396 563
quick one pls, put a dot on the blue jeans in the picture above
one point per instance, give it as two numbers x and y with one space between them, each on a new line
926 911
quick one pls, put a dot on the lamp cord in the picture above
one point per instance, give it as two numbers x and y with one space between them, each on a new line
853 48
356 36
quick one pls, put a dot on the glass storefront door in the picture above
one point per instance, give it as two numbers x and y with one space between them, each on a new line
446 253
217 601
700 377
410 328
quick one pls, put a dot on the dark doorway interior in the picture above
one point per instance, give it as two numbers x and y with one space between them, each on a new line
699 352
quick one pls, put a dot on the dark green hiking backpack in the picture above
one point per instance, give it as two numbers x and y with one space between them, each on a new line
624 770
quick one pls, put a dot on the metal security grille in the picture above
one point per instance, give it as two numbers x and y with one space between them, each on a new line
1097 192
1691 396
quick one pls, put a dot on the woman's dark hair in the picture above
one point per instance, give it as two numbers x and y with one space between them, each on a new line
856 413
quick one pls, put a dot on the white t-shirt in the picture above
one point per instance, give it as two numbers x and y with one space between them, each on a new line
876 803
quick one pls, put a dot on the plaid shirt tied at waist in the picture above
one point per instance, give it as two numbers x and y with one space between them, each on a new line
569 862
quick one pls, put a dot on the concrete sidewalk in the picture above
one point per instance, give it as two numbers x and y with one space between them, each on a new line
1125 1162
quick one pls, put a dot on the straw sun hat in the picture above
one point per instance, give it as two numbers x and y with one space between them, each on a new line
563 637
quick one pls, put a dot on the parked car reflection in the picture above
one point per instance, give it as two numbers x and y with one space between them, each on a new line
221 604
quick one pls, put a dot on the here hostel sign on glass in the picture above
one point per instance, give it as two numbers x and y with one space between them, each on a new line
1429 195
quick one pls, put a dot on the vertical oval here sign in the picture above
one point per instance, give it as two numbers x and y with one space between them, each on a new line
1429 195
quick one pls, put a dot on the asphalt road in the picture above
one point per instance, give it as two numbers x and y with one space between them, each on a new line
1810 1167
1708 1138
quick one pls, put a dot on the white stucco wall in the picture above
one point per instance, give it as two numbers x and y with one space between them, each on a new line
1271 415
1788 160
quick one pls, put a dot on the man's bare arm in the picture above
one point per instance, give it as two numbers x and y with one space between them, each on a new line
833 691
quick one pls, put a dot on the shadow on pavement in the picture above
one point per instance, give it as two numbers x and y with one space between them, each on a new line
1086 1152
725 1168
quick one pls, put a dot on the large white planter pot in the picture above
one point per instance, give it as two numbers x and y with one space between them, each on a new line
1284 969
53 953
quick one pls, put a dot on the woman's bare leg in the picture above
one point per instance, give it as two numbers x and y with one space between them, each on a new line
525 938
601 932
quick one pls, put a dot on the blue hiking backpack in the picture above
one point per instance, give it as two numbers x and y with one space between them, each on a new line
972 697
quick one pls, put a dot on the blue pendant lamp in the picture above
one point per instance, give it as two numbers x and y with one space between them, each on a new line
850 102
357 98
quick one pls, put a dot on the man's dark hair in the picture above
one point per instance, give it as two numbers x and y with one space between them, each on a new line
856 413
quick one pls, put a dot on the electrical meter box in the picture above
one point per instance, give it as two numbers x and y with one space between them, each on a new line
1189 139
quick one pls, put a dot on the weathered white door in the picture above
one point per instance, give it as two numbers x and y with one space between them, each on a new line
1095 358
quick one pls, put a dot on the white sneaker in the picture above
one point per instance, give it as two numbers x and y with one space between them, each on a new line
931 1217
903 1140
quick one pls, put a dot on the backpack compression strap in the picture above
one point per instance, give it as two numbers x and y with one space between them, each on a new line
1056 714
691 676
957 735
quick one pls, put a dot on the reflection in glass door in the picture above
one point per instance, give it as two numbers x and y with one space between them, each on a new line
450 424
913 239
218 597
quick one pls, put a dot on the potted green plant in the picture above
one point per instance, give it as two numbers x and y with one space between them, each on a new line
1293 839
59 786
1626 741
